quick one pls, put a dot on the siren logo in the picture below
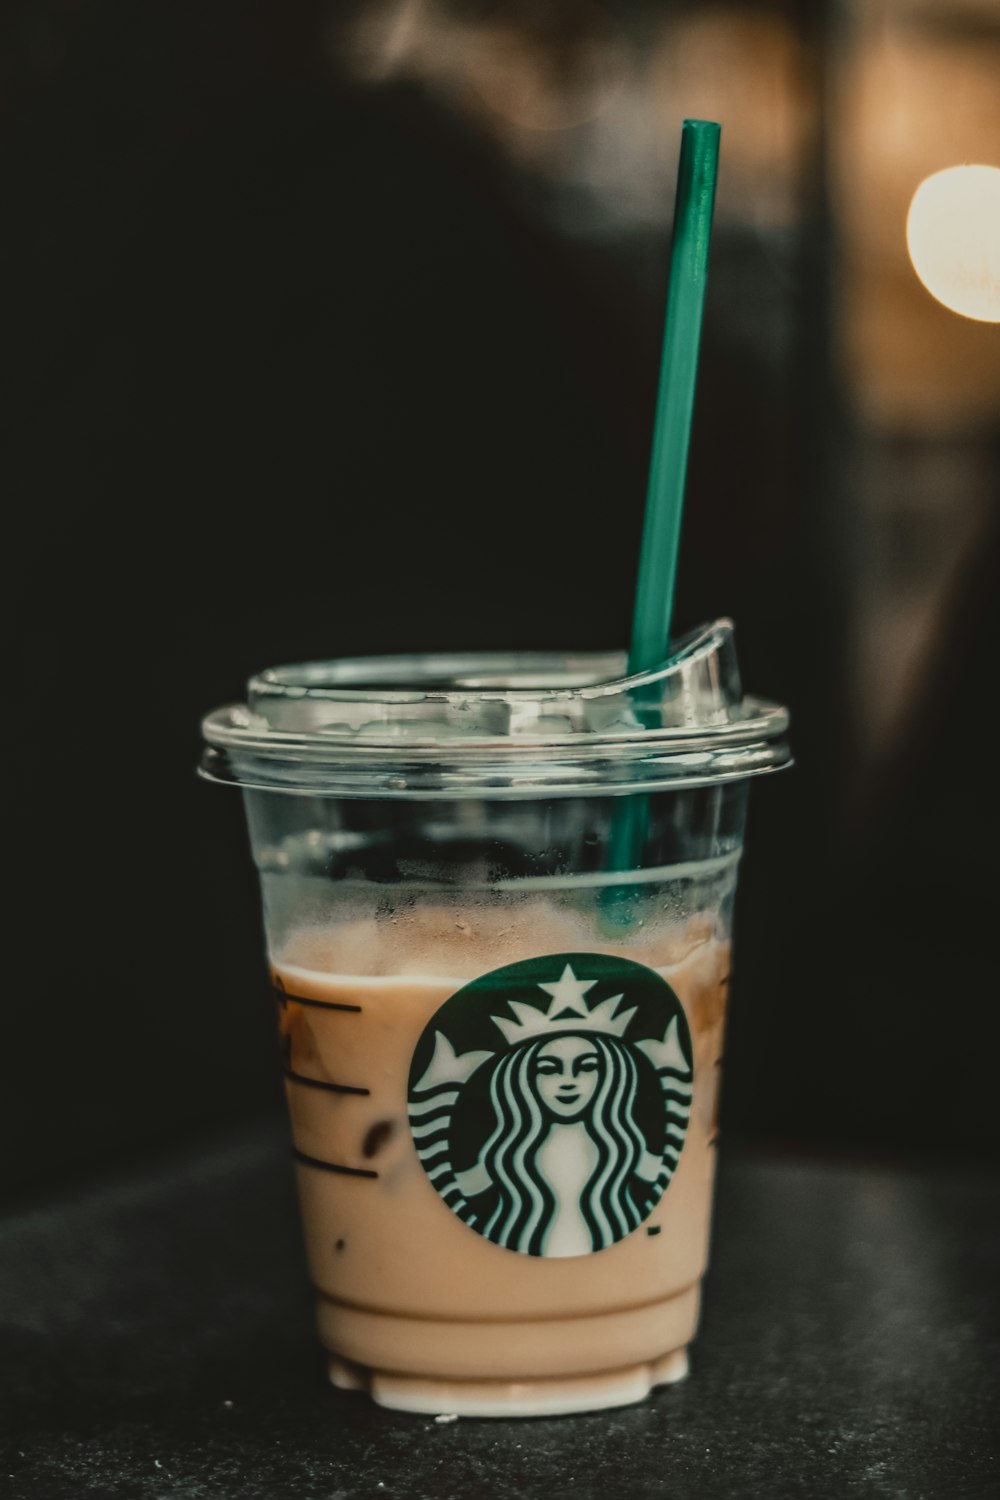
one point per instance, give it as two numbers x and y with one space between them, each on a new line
549 1101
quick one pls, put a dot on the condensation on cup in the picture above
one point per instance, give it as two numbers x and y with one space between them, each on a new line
497 897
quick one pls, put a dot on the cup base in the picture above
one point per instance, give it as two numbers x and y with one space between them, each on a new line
552 1397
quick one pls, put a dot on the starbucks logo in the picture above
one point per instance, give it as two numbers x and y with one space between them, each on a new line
549 1101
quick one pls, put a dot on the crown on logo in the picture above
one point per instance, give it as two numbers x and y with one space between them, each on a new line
567 1011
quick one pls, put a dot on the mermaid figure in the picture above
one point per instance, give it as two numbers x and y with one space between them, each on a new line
566 1160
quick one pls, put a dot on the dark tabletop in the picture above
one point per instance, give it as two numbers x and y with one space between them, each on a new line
157 1342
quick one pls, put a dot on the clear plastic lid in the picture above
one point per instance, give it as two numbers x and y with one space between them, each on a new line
492 725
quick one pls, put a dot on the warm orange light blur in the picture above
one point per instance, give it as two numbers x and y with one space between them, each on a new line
953 235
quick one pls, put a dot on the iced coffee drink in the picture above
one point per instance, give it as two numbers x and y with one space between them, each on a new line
560 1170
501 1052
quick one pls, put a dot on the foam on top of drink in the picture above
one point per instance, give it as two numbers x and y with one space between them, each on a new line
448 945
465 939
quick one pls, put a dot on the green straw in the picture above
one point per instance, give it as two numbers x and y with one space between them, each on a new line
661 533
654 599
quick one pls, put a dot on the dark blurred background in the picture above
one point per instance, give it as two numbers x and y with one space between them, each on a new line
334 328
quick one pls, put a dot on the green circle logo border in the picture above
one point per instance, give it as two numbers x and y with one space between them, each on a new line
549 1101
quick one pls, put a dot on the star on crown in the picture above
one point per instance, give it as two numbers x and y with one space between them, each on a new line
567 1011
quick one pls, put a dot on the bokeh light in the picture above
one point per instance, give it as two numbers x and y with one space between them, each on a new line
953 235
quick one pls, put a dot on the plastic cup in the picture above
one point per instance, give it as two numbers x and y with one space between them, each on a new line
501 1055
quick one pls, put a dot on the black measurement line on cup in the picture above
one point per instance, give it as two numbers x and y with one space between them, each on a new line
331 1166
321 1083
290 1073
284 995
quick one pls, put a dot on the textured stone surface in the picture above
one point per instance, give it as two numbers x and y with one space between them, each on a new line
157 1342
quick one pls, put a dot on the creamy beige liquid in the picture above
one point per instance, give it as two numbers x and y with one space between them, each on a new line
405 1287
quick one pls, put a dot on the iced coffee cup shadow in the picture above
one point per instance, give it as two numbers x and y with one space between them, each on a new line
500 1050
